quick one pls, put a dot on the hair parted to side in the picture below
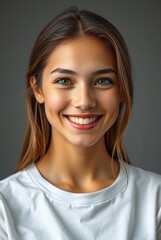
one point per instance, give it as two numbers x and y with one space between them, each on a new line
70 24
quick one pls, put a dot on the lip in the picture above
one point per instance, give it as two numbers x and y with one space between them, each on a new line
84 126
84 115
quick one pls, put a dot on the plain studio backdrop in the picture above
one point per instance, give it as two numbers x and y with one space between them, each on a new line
139 22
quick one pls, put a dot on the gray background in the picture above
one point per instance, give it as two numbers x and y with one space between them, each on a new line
139 22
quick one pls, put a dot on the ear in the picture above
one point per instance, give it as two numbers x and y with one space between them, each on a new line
37 90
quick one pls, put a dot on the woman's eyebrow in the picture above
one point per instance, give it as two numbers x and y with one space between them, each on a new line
100 71
63 70
104 70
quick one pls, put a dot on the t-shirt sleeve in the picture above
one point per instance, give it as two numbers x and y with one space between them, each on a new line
159 232
3 234
159 225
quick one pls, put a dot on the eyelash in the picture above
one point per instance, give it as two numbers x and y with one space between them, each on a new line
69 83
61 79
110 81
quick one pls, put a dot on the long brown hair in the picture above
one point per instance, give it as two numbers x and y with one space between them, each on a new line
70 24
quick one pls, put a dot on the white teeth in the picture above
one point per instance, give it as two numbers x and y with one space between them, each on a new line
82 121
86 121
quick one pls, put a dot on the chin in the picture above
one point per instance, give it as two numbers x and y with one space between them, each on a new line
84 143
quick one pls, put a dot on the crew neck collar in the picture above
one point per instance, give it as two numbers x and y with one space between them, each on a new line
79 198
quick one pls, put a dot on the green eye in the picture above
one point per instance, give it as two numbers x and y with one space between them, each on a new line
104 81
64 81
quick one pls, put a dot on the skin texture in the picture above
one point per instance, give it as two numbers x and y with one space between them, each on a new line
77 159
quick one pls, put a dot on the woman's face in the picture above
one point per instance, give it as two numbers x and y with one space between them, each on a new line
80 91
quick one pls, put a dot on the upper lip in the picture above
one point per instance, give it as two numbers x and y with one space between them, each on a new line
85 115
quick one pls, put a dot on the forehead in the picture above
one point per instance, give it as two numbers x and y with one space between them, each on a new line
82 54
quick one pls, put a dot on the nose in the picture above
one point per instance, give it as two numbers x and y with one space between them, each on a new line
84 98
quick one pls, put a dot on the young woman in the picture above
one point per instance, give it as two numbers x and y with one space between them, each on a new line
74 181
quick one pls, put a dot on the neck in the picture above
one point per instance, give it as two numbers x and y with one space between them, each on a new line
76 165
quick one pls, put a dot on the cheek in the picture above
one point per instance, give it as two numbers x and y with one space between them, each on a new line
54 102
112 110
111 102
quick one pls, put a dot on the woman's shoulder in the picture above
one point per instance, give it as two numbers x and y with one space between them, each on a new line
144 179
146 174
14 184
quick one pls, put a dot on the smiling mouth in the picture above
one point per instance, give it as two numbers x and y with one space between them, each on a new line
83 120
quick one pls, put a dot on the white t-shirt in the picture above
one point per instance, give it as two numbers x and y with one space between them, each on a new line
33 209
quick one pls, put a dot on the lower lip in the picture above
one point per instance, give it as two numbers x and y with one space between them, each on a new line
84 126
